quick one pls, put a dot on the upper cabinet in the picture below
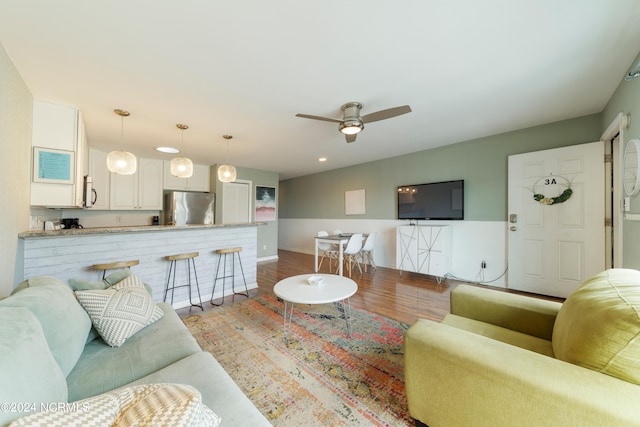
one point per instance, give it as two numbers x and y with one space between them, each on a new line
199 181
59 156
140 191
101 178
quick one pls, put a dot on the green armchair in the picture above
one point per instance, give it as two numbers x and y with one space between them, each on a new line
502 359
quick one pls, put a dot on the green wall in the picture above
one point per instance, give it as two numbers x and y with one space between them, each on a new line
482 163
626 99
268 233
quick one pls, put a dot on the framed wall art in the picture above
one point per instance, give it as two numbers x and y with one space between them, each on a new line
53 166
354 202
265 203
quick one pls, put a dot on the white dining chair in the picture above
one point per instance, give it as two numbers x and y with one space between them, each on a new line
352 252
327 250
366 253
336 232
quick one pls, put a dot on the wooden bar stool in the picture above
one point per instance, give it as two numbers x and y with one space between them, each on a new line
222 259
114 265
189 258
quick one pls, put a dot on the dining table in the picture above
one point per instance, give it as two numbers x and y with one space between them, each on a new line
337 239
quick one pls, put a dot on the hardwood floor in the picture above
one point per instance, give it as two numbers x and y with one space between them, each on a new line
404 297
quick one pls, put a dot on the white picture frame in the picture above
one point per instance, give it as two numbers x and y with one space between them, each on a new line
355 202
53 166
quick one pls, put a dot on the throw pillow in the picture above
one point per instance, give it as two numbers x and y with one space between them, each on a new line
110 280
120 311
599 324
158 405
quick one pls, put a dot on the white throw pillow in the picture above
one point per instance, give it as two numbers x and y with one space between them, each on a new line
120 311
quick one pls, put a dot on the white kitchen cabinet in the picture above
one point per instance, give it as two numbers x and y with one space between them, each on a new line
199 181
59 127
140 191
101 178
424 249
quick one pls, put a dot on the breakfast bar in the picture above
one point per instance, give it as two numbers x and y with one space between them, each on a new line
70 253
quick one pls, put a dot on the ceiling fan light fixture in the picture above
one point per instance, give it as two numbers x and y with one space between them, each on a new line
351 127
119 161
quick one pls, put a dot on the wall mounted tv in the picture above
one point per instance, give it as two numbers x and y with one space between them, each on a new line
433 201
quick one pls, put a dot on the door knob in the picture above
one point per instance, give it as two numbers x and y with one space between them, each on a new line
513 228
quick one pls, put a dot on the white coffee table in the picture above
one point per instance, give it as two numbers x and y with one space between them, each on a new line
333 289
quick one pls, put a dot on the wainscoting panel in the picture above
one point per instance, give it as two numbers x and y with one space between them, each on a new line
472 243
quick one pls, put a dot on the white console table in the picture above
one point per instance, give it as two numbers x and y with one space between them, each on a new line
424 249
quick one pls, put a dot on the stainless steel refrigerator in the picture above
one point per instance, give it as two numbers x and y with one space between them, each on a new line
184 207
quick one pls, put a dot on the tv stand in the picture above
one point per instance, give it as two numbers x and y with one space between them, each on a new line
424 249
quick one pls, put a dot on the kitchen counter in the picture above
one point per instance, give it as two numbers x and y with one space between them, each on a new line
30 234
70 253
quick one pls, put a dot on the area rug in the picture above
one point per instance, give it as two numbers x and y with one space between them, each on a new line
322 377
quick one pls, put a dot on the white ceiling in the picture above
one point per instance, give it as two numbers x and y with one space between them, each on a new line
467 68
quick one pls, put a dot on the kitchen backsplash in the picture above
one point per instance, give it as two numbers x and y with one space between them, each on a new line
91 219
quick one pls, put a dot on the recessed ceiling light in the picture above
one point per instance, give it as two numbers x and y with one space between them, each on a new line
169 150
322 159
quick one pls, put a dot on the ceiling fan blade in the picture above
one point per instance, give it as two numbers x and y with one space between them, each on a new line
326 119
351 138
386 114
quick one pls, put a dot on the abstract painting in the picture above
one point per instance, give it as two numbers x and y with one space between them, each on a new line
265 203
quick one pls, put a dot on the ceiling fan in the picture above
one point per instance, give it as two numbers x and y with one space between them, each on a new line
352 123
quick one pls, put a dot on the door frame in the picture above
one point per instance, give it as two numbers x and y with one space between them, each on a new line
614 137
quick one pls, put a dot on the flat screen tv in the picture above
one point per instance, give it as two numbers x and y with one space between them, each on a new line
433 201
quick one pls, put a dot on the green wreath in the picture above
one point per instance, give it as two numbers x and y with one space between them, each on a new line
542 199
566 194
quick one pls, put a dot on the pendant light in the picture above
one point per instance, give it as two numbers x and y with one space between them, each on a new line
227 173
120 161
182 167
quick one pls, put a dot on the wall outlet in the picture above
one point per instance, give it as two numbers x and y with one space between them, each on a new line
264 247
483 265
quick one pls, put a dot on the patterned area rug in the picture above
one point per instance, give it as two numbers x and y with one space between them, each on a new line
322 377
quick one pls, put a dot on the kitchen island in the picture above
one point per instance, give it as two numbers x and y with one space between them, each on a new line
70 253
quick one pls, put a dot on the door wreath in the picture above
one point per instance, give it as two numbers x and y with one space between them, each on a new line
552 180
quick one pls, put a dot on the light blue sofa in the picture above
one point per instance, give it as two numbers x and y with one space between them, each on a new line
48 356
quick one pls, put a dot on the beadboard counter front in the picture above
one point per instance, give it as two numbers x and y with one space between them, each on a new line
69 254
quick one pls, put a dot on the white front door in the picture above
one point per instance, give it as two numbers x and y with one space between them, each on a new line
556 237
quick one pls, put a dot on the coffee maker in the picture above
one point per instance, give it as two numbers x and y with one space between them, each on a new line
70 223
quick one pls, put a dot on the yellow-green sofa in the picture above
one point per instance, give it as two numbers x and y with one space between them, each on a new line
503 359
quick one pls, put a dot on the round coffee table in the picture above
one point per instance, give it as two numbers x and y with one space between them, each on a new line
333 289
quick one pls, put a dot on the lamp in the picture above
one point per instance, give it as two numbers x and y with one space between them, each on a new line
227 173
182 167
120 161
